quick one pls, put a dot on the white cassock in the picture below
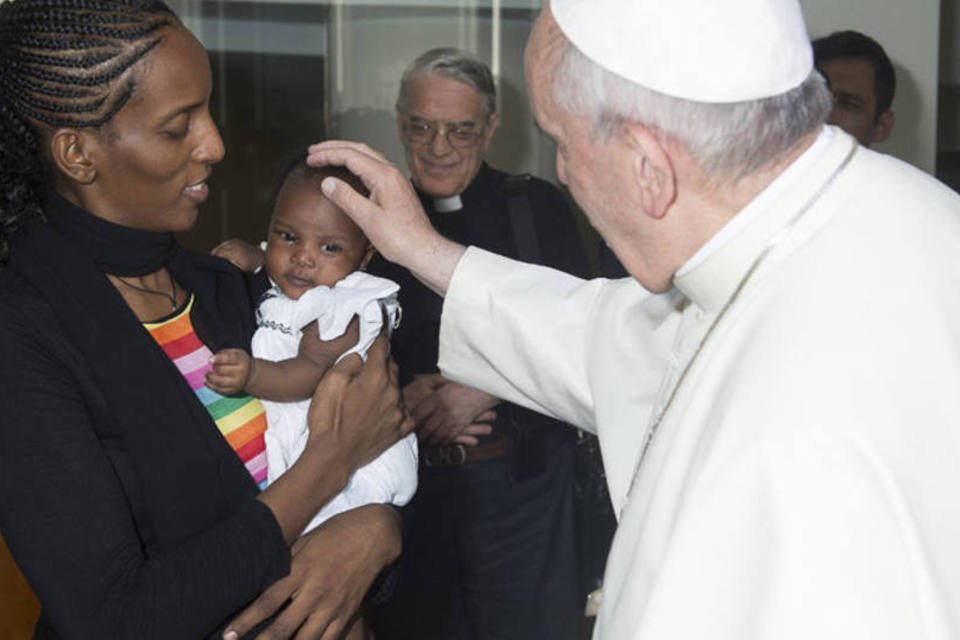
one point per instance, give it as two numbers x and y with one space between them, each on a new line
804 483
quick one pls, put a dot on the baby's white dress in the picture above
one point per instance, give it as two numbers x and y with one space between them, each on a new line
392 477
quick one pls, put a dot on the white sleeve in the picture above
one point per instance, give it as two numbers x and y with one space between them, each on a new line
590 353
519 332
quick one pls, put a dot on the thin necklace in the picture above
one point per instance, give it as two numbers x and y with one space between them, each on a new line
723 311
172 296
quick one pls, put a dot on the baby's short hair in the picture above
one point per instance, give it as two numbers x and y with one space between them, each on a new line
296 168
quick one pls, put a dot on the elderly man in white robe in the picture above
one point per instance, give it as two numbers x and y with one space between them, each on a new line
779 402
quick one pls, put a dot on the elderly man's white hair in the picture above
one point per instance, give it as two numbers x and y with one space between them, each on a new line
728 140
456 64
731 80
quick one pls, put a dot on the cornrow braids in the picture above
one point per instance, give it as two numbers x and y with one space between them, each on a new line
63 63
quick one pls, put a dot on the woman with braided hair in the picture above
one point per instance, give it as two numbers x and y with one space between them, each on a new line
130 493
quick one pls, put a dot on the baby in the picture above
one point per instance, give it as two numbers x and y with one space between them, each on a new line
315 256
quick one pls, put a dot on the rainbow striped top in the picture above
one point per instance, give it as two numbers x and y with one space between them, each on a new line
240 418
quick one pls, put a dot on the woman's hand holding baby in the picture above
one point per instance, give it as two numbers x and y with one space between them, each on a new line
357 408
331 569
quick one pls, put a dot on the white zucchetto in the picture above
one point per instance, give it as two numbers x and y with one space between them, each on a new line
702 50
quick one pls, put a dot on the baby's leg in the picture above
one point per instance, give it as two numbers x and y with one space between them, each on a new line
389 478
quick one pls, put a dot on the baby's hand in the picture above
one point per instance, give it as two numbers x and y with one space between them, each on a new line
232 370
242 254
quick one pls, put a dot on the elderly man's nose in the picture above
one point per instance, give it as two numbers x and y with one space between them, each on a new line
439 145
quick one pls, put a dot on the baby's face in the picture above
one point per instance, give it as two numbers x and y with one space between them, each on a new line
311 241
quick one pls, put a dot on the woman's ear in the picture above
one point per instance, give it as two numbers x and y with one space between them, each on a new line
70 154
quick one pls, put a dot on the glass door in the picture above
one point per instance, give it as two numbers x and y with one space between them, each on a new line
290 73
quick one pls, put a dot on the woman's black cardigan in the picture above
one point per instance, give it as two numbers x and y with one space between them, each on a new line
136 528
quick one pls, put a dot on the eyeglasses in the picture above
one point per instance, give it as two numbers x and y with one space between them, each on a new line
458 135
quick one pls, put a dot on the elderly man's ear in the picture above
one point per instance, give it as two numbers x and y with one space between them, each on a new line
653 171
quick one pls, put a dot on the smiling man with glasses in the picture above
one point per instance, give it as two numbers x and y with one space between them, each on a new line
489 541
459 135
446 114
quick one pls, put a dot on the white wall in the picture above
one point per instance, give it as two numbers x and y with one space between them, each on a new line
909 31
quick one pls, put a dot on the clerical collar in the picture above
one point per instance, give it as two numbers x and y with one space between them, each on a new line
720 275
478 190
448 205
115 249
743 218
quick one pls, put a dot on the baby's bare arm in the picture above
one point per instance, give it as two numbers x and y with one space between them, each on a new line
235 371
297 378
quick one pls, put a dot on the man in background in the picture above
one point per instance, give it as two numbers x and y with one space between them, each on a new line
489 547
863 82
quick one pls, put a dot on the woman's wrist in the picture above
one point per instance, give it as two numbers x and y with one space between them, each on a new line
334 447
387 525
327 458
